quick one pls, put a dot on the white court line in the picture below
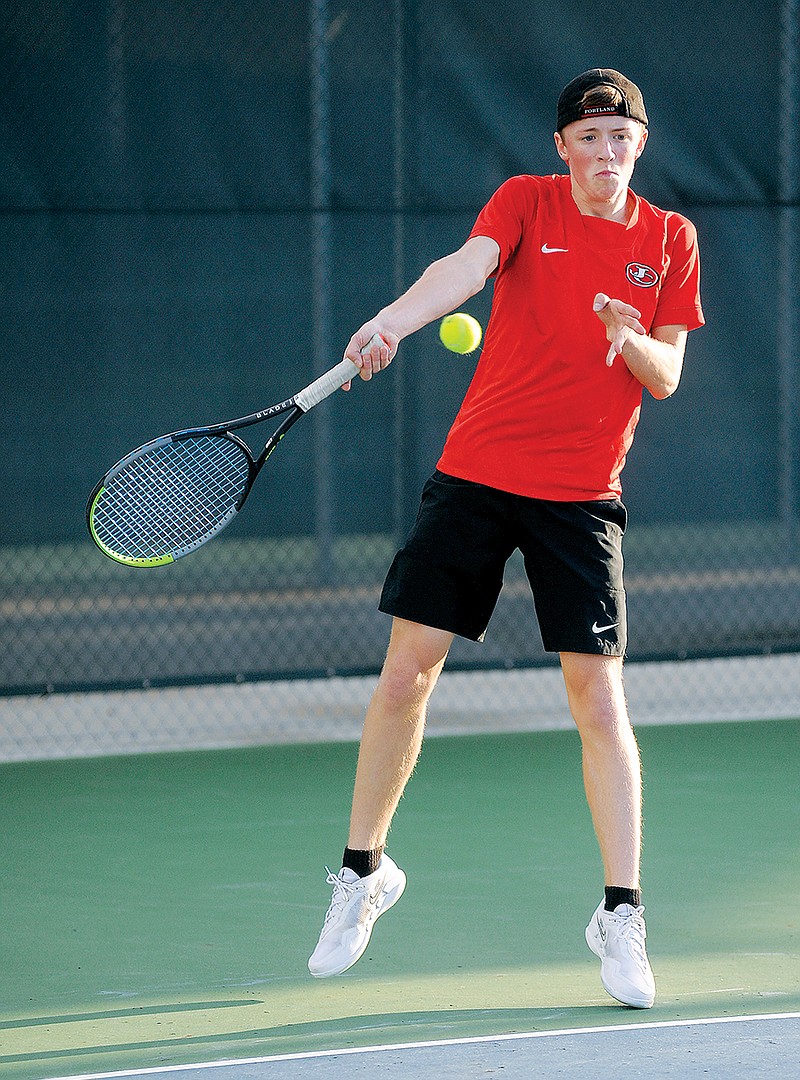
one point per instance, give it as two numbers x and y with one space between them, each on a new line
311 1054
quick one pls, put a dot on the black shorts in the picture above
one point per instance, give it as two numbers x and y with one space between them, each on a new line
450 572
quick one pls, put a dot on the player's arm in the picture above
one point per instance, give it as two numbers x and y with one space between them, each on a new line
443 287
655 359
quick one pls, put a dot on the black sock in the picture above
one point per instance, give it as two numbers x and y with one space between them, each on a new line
362 863
616 896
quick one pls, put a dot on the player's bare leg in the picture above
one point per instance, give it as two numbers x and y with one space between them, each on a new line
390 746
611 769
393 728
613 782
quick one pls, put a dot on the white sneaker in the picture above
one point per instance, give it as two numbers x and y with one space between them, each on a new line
355 905
618 938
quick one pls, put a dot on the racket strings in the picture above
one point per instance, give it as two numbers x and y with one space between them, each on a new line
171 498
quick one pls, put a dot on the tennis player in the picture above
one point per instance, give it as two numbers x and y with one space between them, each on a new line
595 292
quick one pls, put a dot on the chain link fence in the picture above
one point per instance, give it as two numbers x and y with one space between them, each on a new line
198 207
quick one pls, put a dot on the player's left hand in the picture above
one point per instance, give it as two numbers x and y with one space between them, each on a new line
620 320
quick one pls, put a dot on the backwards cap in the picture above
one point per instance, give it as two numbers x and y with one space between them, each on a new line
569 103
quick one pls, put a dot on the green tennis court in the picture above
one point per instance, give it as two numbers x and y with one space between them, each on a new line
159 909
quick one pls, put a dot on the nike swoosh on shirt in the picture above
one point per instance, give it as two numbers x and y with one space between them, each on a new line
599 629
549 251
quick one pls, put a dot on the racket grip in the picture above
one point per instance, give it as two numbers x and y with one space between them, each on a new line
325 385
328 383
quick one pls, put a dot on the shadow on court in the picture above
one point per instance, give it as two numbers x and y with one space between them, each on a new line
159 910
397 1028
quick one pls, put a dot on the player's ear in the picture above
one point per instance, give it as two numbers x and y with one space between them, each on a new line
561 149
642 141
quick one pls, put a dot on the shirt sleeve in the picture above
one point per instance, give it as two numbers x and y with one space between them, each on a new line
679 300
503 217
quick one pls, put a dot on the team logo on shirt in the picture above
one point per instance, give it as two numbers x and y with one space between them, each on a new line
641 274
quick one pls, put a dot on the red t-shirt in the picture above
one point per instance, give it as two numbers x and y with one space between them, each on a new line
544 415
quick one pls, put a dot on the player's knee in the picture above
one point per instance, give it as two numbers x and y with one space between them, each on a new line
412 666
403 686
601 720
596 697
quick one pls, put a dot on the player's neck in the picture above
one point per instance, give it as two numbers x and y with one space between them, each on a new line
618 209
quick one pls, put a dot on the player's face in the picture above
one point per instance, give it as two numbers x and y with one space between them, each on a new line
601 153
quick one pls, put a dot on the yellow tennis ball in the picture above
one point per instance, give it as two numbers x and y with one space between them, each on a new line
460 333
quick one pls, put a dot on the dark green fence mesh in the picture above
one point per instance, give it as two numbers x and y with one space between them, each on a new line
198 205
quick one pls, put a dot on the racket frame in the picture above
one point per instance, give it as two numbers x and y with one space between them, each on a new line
295 406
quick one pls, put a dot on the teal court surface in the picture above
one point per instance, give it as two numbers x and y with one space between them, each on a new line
158 911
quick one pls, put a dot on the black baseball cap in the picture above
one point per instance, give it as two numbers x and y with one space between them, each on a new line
569 103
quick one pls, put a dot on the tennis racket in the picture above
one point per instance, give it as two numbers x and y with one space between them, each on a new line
173 494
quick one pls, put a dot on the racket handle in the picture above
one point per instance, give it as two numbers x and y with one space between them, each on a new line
328 383
325 385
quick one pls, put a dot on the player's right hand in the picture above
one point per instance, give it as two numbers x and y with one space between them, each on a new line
371 349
